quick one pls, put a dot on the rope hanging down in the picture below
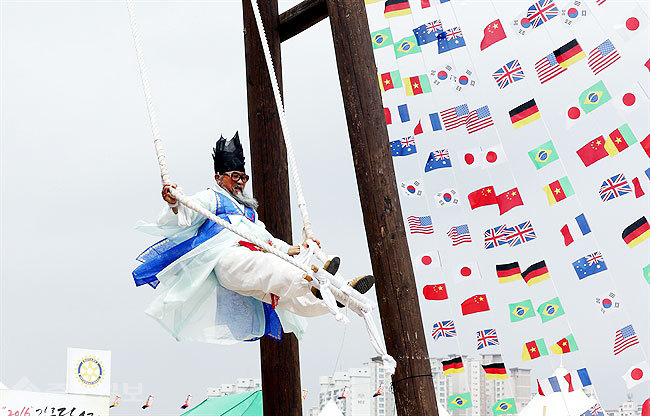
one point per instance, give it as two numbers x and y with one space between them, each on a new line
332 287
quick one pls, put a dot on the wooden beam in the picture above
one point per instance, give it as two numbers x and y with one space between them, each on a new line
301 17
397 294
280 360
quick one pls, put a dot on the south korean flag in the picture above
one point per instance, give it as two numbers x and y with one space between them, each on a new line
447 197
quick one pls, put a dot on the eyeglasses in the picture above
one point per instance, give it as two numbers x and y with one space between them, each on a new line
235 176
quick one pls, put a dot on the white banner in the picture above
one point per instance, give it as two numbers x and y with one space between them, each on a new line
88 372
31 403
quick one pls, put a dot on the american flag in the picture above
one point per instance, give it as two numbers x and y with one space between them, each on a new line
479 119
445 329
420 225
602 56
509 73
455 117
495 237
600 2
459 235
486 338
547 68
541 12
625 338
520 233
614 187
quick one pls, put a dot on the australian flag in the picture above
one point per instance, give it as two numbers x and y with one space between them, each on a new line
509 73
403 147
520 233
428 32
438 159
495 237
589 265
450 39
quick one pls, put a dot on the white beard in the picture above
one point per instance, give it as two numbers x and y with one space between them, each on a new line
243 198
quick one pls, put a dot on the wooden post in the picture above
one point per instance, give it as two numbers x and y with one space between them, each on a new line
389 253
280 360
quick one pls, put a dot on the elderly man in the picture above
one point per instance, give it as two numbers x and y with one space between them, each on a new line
217 287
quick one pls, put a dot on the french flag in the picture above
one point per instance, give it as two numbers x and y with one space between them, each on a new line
575 229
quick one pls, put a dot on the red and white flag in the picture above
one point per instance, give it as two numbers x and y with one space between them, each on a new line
186 404
149 401
602 56
637 374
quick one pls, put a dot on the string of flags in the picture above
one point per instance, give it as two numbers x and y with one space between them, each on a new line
558 189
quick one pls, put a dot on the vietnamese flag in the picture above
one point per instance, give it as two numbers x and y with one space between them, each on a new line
637 232
508 200
482 197
492 34
477 303
593 151
435 292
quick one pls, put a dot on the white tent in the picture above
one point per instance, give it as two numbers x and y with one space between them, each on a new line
561 403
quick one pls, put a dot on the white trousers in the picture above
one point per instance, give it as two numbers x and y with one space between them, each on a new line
258 274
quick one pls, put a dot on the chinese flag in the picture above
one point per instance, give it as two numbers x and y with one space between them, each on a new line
477 303
482 197
645 143
508 200
492 34
435 292
593 151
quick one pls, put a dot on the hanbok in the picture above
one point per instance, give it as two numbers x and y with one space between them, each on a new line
193 304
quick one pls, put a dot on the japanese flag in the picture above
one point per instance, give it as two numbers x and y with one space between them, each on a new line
428 260
494 155
637 374
631 98
470 158
467 271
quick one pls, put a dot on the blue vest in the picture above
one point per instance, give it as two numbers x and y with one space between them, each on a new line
163 253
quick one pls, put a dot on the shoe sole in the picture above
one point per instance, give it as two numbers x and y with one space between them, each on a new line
363 284
332 266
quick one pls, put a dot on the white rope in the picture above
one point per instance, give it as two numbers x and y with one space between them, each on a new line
332 288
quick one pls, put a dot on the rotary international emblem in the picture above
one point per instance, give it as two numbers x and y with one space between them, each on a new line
90 371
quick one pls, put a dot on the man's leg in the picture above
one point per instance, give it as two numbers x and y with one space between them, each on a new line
307 305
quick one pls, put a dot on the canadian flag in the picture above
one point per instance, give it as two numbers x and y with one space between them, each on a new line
637 374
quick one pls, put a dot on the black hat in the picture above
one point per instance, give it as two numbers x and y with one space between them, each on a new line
228 155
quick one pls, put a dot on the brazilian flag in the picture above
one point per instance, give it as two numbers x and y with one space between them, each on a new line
521 310
504 407
593 97
543 155
459 401
407 46
550 309
381 38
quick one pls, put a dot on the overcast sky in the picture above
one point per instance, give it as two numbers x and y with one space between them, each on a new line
78 170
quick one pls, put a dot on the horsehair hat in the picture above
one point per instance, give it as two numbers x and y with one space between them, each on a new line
228 155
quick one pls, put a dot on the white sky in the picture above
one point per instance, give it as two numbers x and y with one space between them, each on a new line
78 170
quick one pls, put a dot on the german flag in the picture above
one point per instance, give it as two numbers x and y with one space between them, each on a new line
507 273
496 371
569 54
524 114
453 366
637 232
535 273
394 8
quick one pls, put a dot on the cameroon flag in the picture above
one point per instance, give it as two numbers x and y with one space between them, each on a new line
459 401
394 8
558 190
507 273
619 140
637 232
381 38
389 80
496 371
535 273
417 85
569 54
504 407
524 114
534 349
565 345
521 310
550 310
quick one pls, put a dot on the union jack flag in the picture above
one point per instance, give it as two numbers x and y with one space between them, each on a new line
435 26
445 329
486 338
495 237
455 116
407 141
509 73
614 187
541 12
520 233
454 33
442 154
594 258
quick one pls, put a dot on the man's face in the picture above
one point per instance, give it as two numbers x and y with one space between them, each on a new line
235 187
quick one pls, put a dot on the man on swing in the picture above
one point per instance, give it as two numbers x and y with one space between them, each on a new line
203 268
